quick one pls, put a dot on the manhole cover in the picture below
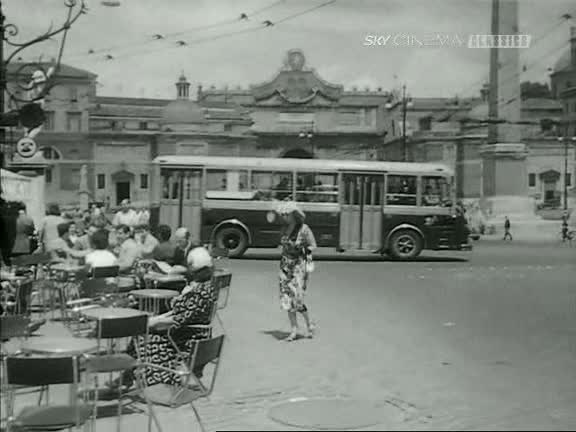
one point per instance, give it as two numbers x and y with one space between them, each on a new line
331 414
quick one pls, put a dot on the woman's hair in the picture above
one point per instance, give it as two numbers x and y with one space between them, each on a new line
99 240
298 217
63 229
53 210
21 206
164 233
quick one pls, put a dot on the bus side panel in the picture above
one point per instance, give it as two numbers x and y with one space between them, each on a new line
266 234
391 221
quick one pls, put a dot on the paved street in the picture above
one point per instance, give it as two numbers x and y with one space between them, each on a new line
443 343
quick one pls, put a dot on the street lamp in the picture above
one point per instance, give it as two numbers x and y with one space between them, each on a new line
40 78
308 135
566 140
405 103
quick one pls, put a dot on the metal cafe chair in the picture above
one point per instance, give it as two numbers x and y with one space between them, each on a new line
44 372
110 332
100 287
222 280
191 387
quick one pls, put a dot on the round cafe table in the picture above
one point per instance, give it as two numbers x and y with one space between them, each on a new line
174 282
110 313
59 346
154 300
69 268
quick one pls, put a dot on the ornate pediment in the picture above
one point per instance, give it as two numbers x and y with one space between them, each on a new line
295 84
122 176
550 176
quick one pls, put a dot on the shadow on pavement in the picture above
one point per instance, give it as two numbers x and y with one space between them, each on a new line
362 258
279 334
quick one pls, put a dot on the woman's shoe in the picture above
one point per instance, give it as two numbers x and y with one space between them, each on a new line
291 337
311 331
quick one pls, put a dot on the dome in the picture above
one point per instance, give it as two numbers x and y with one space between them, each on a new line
183 112
563 62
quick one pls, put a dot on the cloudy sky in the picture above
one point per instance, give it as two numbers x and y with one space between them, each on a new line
223 50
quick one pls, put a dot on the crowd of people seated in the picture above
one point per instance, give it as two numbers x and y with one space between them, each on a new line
105 245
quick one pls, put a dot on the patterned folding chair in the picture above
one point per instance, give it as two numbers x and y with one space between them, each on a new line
191 387
44 372
110 332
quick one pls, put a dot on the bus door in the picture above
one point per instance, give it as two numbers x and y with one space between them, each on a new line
181 204
361 210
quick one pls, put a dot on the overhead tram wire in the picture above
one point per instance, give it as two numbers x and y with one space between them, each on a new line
93 52
198 41
549 31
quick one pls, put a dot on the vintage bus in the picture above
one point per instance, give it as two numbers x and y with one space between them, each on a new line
392 208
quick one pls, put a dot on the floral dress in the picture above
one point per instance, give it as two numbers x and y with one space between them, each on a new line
192 307
293 275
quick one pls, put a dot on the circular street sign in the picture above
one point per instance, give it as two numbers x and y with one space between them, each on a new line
26 147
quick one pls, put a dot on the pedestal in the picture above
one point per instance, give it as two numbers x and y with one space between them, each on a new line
505 181
84 200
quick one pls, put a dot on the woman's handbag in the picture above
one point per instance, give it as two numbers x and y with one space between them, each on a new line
310 267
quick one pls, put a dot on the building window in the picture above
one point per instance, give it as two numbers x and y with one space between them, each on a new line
425 123
50 153
568 179
311 187
568 84
48 175
531 180
272 185
401 190
227 127
49 120
74 121
143 181
101 181
73 94
143 125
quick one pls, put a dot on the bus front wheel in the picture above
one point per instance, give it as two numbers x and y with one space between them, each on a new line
234 239
405 245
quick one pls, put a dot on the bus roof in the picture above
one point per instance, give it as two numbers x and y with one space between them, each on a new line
305 164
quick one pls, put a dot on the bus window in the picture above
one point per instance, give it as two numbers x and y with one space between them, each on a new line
216 180
315 187
435 191
272 185
401 190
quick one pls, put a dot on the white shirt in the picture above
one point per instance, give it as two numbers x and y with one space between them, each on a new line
130 218
101 258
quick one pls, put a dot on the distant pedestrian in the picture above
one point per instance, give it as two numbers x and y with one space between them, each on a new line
297 244
24 231
507 226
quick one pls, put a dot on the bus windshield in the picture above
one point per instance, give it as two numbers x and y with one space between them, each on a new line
436 191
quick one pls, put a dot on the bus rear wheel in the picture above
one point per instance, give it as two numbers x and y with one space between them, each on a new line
405 245
233 239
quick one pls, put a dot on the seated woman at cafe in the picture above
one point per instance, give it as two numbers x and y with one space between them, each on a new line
165 251
145 240
193 306
100 256
62 249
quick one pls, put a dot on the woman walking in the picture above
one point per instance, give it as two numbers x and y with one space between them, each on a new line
297 244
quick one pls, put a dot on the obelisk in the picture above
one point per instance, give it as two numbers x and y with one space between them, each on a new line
505 184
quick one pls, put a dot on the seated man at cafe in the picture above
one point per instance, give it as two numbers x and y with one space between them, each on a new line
145 240
184 244
100 255
62 249
84 243
165 251
128 251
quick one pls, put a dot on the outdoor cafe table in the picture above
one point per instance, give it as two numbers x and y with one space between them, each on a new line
174 282
60 347
110 313
150 300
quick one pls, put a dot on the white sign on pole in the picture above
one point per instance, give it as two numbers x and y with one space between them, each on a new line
26 147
